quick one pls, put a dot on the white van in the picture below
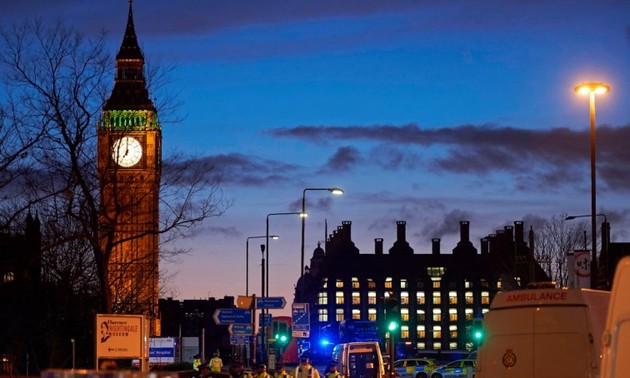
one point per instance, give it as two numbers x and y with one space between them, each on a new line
361 359
539 333
616 337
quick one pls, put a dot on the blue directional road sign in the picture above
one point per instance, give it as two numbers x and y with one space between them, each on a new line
240 340
270 302
232 315
241 329
301 320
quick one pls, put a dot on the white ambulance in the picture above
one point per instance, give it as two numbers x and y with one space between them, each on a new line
546 332
360 359
616 338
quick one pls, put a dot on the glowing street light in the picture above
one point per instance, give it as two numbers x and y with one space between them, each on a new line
592 89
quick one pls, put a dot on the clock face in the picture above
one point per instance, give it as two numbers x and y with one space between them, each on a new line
126 151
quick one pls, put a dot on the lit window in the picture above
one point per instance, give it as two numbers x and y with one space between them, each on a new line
437 332
325 283
356 298
421 332
372 297
404 314
421 346
403 284
339 314
339 297
485 297
322 298
371 284
388 283
437 346
452 297
356 314
484 310
420 315
9 277
420 297
322 315
469 297
452 331
437 315
467 284
339 284
499 284
404 297
355 283
437 298
436 271
452 346
404 332
372 314
452 314
469 313
437 284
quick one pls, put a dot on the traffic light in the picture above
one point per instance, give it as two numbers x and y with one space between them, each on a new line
478 333
392 314
281 332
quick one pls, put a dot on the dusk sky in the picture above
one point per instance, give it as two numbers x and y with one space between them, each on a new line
430 112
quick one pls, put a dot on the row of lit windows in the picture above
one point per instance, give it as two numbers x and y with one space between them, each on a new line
434 272
404 298
436 315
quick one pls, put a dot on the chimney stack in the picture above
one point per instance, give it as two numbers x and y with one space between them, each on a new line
484 246
435 243
347 228
400 231
378 246
464 227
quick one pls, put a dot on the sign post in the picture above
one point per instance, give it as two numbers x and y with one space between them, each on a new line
122 337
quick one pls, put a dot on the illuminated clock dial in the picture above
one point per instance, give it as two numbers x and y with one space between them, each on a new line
126 151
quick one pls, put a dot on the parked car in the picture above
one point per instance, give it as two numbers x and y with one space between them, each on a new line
414 367
457 368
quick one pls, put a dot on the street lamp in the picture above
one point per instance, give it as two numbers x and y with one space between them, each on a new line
266 271
604 236
335 191
592 89
274 237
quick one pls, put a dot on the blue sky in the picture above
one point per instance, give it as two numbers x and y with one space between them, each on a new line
428 112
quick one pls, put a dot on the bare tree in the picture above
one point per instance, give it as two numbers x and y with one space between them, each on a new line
556 239
57 81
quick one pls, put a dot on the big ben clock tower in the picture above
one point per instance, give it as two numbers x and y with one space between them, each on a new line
129 166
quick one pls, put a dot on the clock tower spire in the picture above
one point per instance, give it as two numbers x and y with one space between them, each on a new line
129 168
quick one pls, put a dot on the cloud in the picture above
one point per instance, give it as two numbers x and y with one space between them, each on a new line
233 168
551 157
344 159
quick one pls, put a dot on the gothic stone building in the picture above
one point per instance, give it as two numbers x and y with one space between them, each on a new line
439 294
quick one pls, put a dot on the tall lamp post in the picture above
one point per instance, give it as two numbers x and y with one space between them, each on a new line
605 239
592 89
266 269
336 191
247 258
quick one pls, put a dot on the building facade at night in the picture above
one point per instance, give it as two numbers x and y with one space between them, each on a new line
439 294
